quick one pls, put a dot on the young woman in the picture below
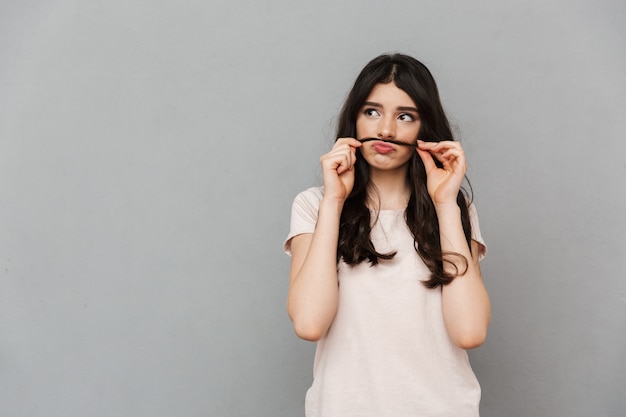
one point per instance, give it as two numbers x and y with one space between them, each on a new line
384 257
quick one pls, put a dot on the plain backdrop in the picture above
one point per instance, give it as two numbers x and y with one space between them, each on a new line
150 152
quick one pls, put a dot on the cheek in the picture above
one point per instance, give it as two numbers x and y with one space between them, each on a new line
359 128
365 128
408 154
412 131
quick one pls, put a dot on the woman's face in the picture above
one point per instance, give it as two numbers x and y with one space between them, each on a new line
388 113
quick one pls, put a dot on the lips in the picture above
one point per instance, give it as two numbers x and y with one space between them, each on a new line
383 148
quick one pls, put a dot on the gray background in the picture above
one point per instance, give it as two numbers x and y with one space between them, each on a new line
150 151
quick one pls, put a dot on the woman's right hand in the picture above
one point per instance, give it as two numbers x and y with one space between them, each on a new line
338 169
313 285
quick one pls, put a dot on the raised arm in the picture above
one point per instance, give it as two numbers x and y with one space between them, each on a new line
313 285
465 302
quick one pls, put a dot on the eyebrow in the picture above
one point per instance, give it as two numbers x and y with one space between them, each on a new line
401 108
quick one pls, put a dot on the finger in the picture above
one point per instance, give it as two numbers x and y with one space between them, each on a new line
439 146
333 159
454 156
434 154
447 144
335 162
352 142
427 159
340 159
437 155
453 153
343 165
445 152
352 154
342 156
353 158
425 145
339 149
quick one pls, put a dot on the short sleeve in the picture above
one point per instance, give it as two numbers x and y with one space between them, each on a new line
303 214
476 235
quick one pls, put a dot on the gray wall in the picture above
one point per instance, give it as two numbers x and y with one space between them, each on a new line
150 150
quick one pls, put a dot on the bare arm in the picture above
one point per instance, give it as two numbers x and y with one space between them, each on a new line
313 285
465 302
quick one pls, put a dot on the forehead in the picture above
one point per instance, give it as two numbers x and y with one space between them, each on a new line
390 95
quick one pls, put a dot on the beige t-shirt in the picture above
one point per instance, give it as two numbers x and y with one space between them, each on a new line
387 352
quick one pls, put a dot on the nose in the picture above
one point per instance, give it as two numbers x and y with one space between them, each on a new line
386 127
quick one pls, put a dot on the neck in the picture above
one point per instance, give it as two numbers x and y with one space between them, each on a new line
388 190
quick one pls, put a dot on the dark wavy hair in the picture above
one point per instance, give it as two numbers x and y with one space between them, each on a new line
355 244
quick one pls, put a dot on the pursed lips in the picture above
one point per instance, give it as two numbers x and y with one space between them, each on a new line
382 147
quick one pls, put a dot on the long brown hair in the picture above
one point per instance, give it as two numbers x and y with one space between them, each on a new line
355 244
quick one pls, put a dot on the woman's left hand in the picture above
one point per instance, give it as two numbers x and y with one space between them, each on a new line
443 183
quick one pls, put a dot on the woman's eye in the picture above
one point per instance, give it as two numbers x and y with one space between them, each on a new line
405 117
371 112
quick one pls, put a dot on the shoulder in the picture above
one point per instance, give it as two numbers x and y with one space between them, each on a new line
307 204
313 194
304 214
471 210
310 198
476 233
